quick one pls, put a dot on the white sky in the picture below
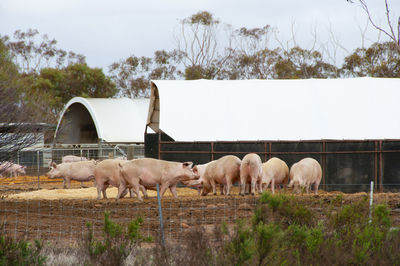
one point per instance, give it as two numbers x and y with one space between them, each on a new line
107 31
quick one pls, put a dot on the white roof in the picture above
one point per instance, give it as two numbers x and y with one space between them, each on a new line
312 109
116 120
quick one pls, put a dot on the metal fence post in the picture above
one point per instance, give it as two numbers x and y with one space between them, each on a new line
38 168
160 215
371 200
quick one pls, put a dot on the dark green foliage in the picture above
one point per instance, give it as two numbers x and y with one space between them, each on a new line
20 252
116 244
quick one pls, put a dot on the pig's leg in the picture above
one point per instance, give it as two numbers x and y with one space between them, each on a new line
105 186
136 188
121 190
64 185
164 188
144 191
316 185
228 186
125 192
173 191
212 181
253 185
100 188
242 185
222 189
273 185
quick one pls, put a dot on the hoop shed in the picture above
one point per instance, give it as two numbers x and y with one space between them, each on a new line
92 120
350 126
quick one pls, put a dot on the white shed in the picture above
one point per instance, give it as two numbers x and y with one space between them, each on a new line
312 109
90 120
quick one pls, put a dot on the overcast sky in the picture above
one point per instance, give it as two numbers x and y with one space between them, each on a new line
106 31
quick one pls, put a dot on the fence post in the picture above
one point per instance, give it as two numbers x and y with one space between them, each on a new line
38 168
160 215
131 152
371 200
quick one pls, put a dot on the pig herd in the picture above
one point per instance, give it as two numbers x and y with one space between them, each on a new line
140 175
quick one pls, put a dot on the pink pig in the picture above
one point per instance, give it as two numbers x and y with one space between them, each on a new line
250 172
12 169
150 172
79 171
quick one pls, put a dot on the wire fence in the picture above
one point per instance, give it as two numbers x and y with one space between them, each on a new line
37 162
65 221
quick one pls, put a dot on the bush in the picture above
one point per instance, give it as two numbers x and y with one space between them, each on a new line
20 252
116 244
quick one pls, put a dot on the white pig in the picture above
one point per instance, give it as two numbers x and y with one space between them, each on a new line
150 172
250 172
72 159
225 171
79 171
274 172
107 173
198 184
305 173
12 169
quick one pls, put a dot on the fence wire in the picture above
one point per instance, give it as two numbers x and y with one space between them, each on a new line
66 220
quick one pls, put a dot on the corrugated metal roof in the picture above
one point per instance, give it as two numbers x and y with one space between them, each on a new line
116 120
312 109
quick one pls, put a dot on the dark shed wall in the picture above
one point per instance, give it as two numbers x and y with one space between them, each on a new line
348 166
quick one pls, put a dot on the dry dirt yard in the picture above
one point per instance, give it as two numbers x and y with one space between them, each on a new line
54 213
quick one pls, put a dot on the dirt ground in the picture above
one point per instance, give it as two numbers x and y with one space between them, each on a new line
57 214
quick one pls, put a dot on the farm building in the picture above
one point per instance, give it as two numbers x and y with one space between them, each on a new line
94 127
349 125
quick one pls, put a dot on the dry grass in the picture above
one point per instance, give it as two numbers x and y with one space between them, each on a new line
86 193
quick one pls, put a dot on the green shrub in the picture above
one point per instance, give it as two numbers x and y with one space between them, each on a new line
240 248
116 243
20 252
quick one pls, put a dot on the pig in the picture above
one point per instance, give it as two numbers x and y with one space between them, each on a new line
224 171
200 169
150 172
305 173
12 169
79 171
107 173
72 159
250 172
68 159
274 172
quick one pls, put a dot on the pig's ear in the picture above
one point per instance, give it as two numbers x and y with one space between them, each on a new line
54 165
195 170
187 164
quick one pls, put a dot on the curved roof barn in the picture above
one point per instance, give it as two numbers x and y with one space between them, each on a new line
90 120
312 109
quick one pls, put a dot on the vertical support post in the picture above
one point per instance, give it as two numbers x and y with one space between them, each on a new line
380 167
130 153
38 168
160 215
376 165
212 150
371 200
265 151
159 145
324 165
270 150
